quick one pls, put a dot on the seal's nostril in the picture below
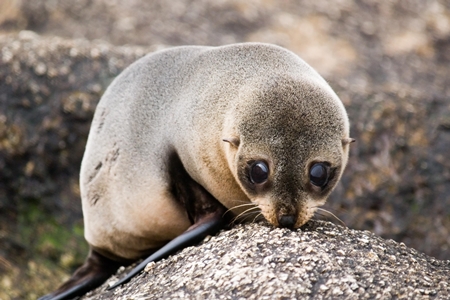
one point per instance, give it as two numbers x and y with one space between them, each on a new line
287 221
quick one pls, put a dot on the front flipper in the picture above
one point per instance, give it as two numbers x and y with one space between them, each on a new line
95 270
208 225
204 211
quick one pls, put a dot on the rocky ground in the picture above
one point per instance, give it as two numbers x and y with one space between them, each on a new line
388 61
320 261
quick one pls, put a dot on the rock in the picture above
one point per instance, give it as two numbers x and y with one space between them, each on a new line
320 261
388 62
49 91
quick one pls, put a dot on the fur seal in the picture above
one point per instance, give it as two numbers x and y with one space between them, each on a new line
185 135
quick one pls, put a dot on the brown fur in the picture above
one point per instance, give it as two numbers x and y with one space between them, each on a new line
218 109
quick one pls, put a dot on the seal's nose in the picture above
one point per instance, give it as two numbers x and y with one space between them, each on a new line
287 221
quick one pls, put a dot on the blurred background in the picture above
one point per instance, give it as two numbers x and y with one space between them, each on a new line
387 60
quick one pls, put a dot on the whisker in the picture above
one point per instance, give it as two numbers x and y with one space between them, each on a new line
258 215
242 205
340 210
244 213
328 213
243 217
240 201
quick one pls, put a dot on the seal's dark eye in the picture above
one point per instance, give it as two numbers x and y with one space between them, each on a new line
318 174
259 172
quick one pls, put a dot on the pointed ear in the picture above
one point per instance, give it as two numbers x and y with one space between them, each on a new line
232 140
346 141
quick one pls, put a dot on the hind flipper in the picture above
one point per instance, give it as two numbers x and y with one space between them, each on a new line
95 270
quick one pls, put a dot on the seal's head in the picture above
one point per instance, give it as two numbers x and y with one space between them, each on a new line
288 146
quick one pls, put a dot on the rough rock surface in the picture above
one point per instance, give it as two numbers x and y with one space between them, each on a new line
387 60
320 261
48 93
